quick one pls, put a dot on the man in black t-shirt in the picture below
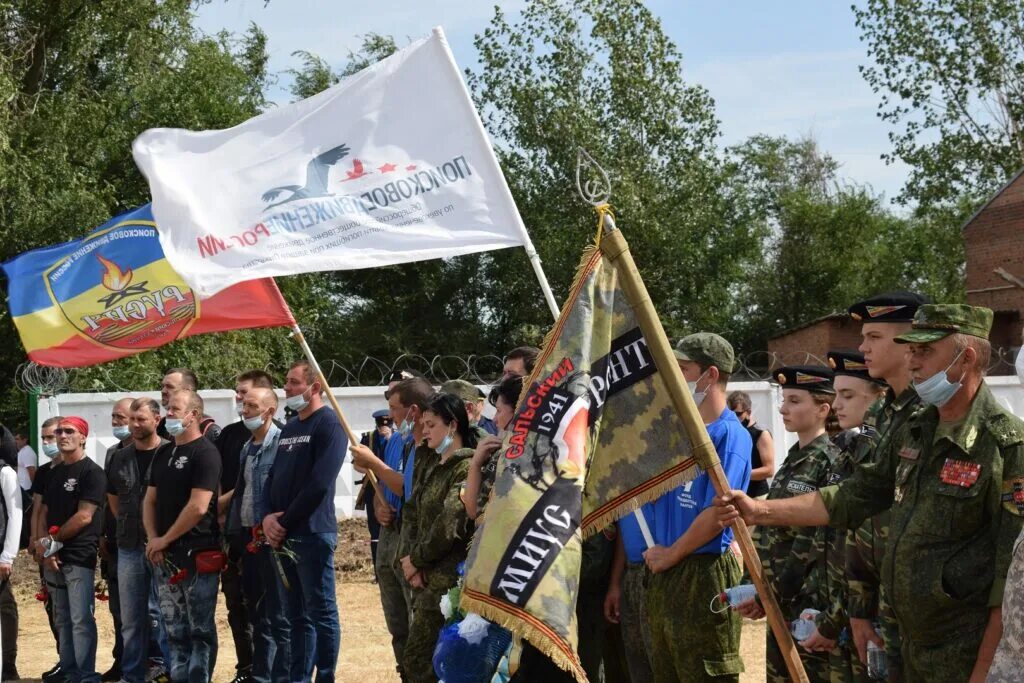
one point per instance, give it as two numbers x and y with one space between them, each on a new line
180 519
127 480
73 508
51 456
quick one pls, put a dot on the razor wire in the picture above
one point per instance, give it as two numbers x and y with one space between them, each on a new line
480 369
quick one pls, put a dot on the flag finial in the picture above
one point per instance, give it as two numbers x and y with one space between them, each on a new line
591 180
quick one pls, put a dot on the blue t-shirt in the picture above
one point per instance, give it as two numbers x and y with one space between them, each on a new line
407 474
302 480
632 538
394 457
675 511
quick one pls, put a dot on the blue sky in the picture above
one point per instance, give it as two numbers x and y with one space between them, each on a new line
781 67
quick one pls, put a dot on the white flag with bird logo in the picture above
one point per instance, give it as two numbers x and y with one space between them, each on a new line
389 166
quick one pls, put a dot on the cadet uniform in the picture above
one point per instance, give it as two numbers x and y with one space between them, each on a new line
957 508
865 545
435 534
793 557
1006 665
832 621
689 641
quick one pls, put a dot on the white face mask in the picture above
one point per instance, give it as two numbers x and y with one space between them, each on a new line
298 402
698 396
253 423
238 409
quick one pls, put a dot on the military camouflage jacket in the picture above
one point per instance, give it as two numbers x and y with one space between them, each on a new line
793 557
1006 665
435 527
865 545
957 507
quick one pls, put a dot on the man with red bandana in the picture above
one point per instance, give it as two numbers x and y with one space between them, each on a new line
72 508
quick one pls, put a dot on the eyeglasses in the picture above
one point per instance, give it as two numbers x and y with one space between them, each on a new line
67 431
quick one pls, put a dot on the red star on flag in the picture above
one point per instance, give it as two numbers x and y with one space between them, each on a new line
410 167
386 168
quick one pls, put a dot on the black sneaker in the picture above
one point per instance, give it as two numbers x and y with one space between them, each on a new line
111 675
53 674
242 677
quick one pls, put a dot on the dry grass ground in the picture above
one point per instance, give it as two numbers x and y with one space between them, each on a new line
366 650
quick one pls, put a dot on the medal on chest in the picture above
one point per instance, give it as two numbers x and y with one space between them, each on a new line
962 473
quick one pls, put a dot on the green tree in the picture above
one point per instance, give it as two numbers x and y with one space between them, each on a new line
950 75
79 80
602 75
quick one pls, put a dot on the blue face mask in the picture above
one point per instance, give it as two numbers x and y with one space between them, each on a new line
937 389
405 429
174 426
445 444
252 423
50 450
121 432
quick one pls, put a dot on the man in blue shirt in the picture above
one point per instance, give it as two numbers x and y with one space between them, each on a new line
300 505
406 400
691 560
626 601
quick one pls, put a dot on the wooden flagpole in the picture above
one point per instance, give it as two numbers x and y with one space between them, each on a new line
615 248
301 340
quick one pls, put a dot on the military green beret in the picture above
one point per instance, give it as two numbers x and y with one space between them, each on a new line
813 378
937 321
707 349
891 307
462 389
851 364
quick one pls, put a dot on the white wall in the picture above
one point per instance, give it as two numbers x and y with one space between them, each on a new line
359 403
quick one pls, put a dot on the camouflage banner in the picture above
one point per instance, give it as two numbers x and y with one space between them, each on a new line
595 436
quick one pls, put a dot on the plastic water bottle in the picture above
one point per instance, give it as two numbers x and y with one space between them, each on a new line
878 662
737 595
804 628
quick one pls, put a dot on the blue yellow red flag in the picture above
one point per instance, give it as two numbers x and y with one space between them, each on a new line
113 294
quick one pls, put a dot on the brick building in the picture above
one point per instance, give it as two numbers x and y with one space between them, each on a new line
809 343
994 251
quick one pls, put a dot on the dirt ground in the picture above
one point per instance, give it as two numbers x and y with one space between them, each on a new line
365 645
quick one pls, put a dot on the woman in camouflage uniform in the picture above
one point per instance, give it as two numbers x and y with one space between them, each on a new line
435 528
484 465
793 557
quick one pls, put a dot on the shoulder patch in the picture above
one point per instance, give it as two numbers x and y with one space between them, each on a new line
1007 430
798 487
1013 496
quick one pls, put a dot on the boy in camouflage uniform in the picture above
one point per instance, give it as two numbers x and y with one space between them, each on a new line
883 317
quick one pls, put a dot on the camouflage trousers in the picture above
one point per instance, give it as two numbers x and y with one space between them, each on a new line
636 628
426 623
890 629
841 664
689 642
948 662
395 593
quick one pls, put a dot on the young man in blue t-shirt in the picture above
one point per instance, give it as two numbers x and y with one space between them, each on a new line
300 498
691 560
406 400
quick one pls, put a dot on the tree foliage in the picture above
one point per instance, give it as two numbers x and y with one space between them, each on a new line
950 74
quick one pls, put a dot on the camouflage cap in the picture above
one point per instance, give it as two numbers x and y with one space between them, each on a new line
707 349
933 322
814 378
462 389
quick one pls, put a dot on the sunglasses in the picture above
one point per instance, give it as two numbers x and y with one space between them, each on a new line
67 431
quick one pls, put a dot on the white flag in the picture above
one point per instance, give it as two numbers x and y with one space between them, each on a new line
389 166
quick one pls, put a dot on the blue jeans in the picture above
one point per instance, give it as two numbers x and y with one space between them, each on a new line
73 594
316 632
271 627
139 628
188 608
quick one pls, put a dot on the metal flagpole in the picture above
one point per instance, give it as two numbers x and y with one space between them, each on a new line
615 248
301 340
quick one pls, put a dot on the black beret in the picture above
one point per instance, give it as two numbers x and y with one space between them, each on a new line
891 307
814 378
852 364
